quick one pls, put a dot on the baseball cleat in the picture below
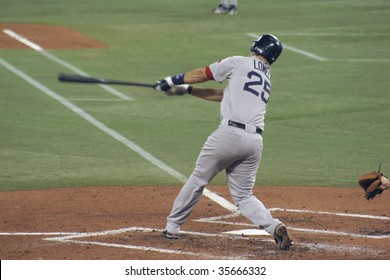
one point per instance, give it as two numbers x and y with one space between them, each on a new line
170 235
221 9
281 237
232 10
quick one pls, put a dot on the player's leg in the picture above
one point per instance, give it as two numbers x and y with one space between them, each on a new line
250 206
222 7
184 204
218 152
233 8
241 178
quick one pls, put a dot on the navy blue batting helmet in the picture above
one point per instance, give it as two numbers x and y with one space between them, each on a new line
267 46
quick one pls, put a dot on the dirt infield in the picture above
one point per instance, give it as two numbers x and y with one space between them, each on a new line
47 36
126 223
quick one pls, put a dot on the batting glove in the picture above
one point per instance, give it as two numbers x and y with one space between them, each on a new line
164 84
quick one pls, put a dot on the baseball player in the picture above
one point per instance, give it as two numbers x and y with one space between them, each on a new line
226 7
236 145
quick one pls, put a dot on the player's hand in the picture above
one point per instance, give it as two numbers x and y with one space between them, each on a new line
385 182
164 84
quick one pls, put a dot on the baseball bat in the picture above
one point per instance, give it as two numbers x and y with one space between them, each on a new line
74 78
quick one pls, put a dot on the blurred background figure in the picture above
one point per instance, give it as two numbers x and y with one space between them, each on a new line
226 7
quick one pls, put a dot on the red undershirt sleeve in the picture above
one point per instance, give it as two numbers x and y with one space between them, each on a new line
209 74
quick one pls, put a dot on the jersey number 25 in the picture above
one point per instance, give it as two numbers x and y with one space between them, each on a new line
257 80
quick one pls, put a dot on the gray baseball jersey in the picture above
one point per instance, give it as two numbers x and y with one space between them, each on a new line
246 96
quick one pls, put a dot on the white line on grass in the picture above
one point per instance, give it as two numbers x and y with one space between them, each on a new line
321 58
358 60
330 34
71 67
95 100
146 155
302 52
305 53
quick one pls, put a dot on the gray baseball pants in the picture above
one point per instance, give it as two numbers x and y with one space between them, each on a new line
239 153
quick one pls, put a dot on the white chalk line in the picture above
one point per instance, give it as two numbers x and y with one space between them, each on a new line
222 220
302 52
321 58
306 230
218 218
114 134
332 34
70 239
384 60
37 233
149 249
339 233
78 235
94 100
331 213
71 67
237 214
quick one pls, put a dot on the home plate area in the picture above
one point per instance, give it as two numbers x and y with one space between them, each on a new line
245 243
126 223
193 245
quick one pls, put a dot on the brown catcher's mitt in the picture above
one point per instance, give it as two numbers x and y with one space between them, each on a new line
373 183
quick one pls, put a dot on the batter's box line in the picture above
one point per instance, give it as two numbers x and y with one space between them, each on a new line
254 231
71 239
351 215
37 233
78 235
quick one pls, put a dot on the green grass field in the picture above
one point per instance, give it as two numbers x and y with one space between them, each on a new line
328 119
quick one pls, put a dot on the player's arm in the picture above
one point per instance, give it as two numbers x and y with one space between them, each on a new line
210 94
179 84
201 75
198 75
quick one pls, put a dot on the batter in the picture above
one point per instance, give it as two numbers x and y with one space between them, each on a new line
236 145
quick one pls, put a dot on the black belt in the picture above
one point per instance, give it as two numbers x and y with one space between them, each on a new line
242 126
